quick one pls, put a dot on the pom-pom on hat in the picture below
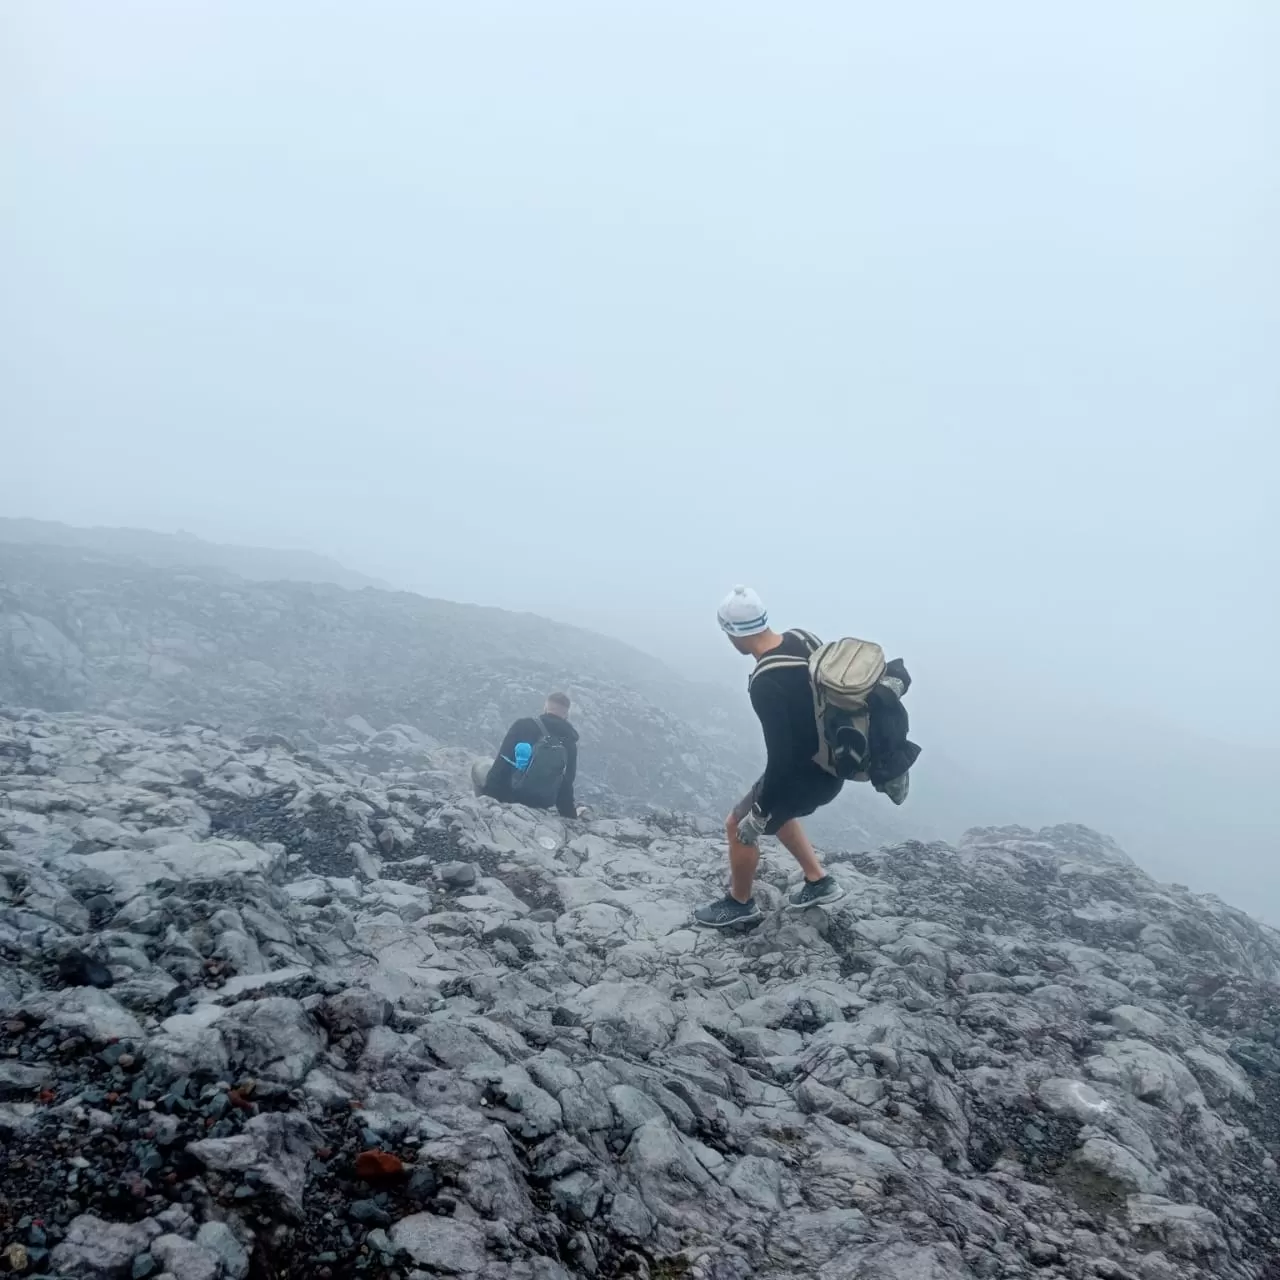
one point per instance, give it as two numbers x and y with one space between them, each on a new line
742 613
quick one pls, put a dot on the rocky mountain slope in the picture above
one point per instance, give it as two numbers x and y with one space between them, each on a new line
82 632
277 1015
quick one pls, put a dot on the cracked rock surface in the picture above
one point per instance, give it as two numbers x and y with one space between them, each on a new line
277 1015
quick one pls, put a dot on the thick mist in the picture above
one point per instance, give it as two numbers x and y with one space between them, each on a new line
952 326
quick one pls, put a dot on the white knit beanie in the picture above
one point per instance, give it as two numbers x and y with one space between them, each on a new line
742 613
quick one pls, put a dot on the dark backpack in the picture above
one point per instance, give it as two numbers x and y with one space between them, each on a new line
538 785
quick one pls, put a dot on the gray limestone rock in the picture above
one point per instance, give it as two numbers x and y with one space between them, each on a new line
219 1241
1185 1230
185 1259
458 875
274 1147
445 1245
17 1080
99 1250
625 1018
84 1011
274 1038
1017 1057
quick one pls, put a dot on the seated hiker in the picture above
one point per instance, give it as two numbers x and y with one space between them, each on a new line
822 726
537 763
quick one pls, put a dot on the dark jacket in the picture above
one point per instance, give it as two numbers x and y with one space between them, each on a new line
892 753
530 729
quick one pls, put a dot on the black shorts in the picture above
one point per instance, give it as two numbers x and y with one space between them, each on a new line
804 793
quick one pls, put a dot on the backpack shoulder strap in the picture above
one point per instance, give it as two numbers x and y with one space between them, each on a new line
776 664
777 661
810 641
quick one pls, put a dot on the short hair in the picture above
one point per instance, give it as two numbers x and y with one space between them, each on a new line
560 700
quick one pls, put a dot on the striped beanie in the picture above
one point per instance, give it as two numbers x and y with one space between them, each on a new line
742 613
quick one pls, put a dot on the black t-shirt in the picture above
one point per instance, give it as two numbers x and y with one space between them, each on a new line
783 699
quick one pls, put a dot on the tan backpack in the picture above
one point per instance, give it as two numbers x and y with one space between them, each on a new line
842 675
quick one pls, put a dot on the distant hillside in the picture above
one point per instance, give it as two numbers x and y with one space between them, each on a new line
80 631
185 550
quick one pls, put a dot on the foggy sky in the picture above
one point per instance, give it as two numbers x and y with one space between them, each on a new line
954 325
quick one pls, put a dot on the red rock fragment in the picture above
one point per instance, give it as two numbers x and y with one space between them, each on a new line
374 1166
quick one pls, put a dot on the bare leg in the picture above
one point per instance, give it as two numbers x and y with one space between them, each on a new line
743 860
797 845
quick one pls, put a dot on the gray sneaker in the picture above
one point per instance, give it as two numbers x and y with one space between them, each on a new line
727 912
815 893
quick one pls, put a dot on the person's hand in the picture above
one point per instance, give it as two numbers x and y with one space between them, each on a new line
751 828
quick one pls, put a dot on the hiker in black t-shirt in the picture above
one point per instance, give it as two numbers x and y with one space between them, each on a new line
537 762
792 785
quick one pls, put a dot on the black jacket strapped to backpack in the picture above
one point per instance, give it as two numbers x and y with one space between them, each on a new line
892 753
